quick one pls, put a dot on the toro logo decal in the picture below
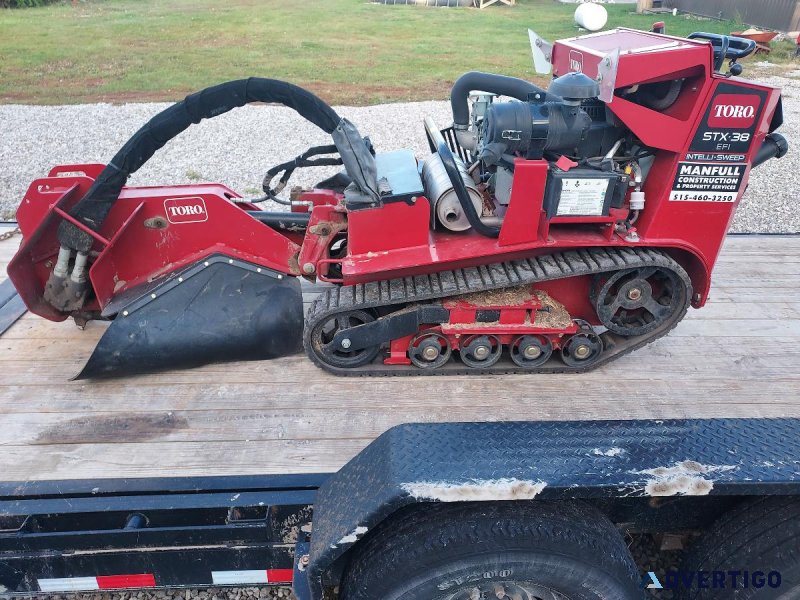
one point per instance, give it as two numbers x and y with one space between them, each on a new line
186 210
736 111
576 61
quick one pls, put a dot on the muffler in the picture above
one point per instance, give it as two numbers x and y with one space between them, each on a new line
218 309
445 206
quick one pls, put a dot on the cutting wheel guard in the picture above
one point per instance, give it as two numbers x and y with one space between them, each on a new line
217 310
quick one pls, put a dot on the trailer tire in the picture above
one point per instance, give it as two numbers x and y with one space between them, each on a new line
457 550
760 535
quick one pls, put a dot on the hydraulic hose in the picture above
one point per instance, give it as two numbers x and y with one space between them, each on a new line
93 208
449 162
486 82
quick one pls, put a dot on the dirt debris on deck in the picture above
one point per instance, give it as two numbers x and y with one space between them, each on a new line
552 314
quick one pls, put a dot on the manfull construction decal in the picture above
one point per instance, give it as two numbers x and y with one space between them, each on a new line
730 121
707 182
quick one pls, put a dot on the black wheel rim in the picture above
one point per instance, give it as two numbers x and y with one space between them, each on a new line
531 351
323 334
638 301
429 350
583 348
480 351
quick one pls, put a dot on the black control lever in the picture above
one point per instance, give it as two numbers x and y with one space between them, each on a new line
725 46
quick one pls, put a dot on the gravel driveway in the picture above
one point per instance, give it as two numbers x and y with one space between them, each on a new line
238 147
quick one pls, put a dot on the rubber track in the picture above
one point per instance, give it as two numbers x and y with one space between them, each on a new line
421 288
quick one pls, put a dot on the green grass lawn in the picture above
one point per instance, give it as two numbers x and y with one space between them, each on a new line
347 51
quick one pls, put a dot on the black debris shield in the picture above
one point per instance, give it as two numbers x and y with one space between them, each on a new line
217 310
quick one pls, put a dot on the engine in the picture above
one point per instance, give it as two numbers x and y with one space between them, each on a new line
546 122
593 158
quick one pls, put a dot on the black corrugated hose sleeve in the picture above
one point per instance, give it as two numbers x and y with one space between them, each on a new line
486 82
92 209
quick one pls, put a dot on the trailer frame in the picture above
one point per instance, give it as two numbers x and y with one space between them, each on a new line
657 476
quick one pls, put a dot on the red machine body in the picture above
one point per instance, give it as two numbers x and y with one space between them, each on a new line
712 132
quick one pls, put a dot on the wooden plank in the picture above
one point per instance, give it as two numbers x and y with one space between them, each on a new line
7 249
157 459
757 328
748 375
725 293
308 422
737 257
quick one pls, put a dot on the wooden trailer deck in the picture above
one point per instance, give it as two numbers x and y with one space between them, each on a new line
738 357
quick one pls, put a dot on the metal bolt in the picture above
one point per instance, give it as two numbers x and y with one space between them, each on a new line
153 296
230 261
634 294
481 352
308 268
582 351
531 352
206 263
180 279
346 343
280 276
258 270
124 313
430 353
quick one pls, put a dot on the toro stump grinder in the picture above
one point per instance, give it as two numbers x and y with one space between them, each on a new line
552 231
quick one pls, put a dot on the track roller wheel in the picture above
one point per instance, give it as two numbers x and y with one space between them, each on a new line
531 351
429 350
480 351
638 301
322 340
583 348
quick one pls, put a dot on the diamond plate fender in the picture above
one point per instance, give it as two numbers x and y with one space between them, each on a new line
452 462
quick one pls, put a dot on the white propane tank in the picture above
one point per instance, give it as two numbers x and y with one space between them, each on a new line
591 16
